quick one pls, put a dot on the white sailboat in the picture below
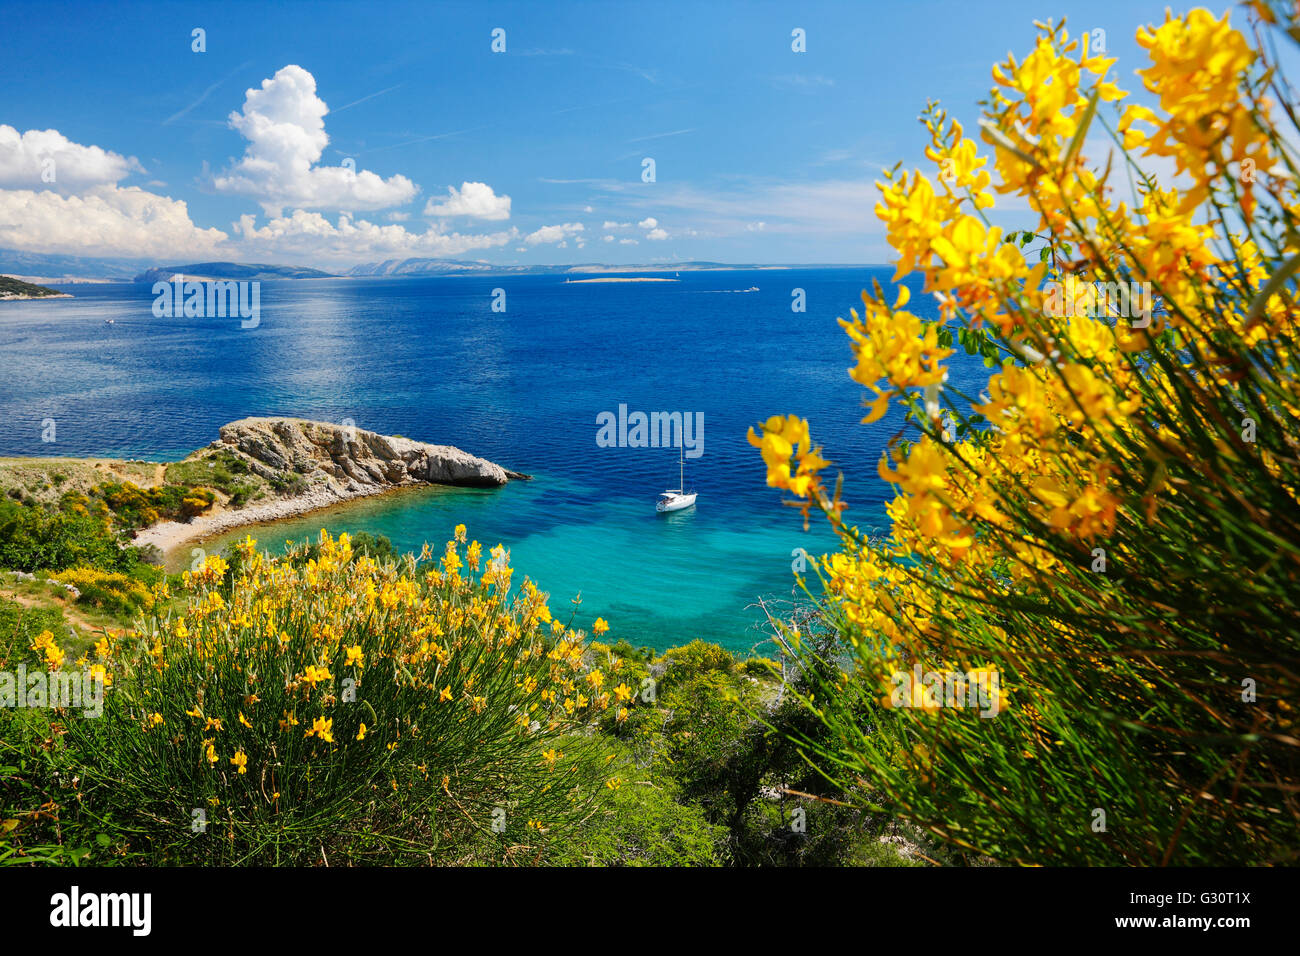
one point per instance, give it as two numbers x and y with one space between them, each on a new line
675 499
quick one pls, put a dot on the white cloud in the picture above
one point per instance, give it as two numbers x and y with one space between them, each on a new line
106 220
476 200
284 123
398 216
28 160
654 233
587 209
628 242
311 234
610 224
607 239
553 233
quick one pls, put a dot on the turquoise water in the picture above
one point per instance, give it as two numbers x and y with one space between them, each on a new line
427 358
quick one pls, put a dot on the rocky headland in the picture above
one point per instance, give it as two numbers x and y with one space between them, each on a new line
319 464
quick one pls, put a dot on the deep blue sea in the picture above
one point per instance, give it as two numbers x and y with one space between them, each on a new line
429 359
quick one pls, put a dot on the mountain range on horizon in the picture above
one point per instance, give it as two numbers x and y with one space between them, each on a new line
53 267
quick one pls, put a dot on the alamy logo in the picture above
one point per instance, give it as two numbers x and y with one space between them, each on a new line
930 690
655 430
1095 300
40 689
74 909
211 300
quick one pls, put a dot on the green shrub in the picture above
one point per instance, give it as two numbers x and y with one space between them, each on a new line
33 538
338 707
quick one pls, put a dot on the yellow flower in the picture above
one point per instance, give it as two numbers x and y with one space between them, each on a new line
361 734
240 761
313 674
782 438
323 728
55 656
355 655
600 627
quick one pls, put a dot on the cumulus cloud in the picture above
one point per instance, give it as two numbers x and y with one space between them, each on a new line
105 220
610 224
310 233
628 242
284 123
553 233
606 238
476 200
46 159
653 232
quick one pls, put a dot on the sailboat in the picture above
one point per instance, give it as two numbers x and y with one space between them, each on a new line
675 499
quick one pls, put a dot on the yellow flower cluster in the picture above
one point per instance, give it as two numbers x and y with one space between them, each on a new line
306 658
1067 414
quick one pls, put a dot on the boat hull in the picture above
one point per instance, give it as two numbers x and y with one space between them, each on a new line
674 504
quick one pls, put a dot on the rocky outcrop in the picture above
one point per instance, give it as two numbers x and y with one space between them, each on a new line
318 464
350 459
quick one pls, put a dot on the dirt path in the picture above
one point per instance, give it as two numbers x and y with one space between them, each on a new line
71 613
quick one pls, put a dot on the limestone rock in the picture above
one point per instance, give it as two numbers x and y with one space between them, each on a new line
350 460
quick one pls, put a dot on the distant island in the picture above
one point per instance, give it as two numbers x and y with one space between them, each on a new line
66 269
622 279
220 271
11 288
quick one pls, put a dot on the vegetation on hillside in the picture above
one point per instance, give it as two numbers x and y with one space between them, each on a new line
340 703
11 288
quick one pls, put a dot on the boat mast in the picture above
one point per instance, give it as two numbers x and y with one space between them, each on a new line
681 470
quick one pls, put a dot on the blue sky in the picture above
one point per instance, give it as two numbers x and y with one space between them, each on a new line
761 154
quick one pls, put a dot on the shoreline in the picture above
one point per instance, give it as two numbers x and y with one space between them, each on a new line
616 279
323 464
169 536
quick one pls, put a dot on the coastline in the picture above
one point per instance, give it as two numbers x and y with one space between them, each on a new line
613 279
258 470
170 536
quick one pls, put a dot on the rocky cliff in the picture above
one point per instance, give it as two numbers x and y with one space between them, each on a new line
350 459
318 464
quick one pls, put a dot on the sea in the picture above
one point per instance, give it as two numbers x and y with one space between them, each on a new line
525 386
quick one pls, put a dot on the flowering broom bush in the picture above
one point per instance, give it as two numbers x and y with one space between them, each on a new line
334 708
1102 550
